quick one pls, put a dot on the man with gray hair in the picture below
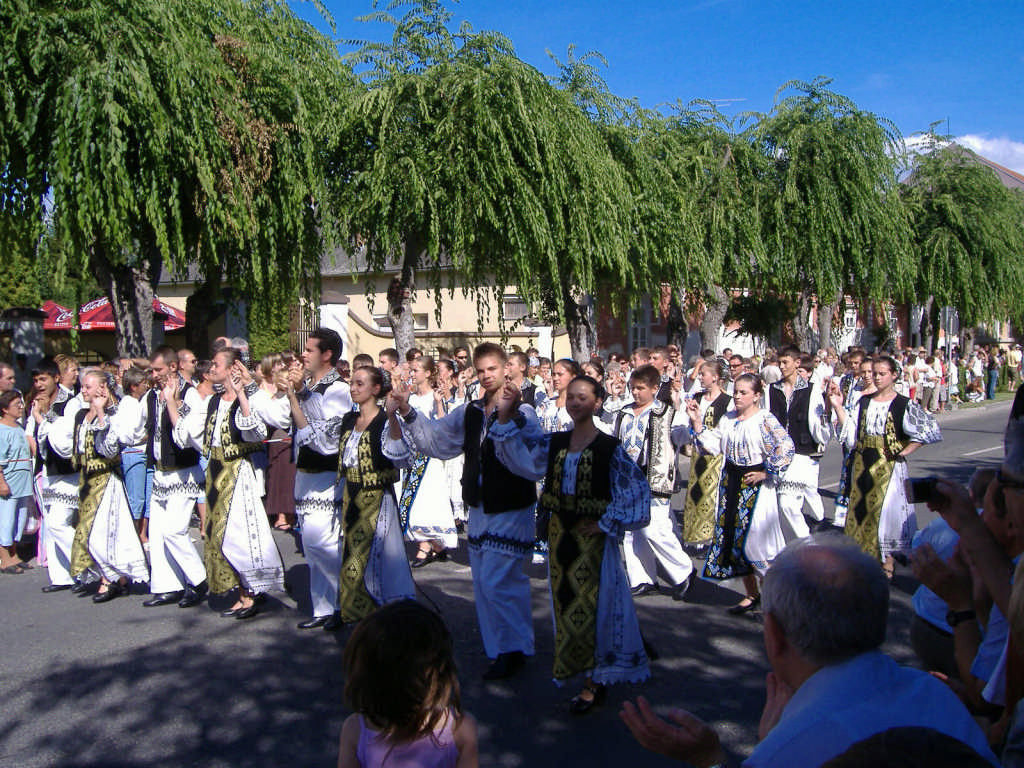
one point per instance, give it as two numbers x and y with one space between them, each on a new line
825 610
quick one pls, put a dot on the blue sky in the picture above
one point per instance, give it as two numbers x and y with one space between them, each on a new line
914 63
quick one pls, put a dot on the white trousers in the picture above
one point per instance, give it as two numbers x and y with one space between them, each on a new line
501 591
318 512
59 536
799 484
173 559
654 544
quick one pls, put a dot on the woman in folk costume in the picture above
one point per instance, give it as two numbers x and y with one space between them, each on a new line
374 569
881 431
421 508
240 549
706 469
593 493
756 449
106 546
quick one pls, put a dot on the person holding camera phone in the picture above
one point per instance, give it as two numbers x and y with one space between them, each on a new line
881 431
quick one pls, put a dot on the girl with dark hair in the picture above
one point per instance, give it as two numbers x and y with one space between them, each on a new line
881 431
374 570
593 493
401 680
15 480
705 469
756 449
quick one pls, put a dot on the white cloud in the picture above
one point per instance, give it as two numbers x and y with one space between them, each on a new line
1004 151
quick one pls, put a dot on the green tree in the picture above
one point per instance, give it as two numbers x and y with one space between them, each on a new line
467 163
161 140
833 219
968 233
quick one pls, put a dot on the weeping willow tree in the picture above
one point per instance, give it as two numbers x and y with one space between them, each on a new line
468 166
833 219
968 233
157 137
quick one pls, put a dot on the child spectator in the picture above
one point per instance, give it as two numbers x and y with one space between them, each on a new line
400 679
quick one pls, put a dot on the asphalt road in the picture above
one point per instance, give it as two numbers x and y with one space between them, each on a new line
122 686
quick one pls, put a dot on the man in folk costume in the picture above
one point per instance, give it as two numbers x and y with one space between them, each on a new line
800 407
240 549
178 574
318 395
58 480
644 427
501 505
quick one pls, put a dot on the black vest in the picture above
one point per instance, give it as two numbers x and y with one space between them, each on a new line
486 481
897 410
383 473
311 460
171 456
58 465
795 417
601 447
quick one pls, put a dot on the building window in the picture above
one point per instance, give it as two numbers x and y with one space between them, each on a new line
639 326
850 319
419 322
513 308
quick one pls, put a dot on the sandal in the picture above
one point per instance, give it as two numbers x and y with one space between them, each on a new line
24 566
580 705
282 527
12 570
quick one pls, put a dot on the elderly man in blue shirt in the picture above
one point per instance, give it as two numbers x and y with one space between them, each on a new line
825 610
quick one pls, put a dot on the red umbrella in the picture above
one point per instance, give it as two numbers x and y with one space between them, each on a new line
97 315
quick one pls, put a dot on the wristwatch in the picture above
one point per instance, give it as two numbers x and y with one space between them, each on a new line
958 617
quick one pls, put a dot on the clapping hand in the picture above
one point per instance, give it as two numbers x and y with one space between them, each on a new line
508 401
690 739
398 397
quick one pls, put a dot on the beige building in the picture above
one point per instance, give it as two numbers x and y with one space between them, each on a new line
353 301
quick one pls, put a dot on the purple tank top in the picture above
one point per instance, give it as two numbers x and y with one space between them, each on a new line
436 751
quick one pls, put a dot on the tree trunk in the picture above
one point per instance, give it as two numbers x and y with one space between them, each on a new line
400 297
199 311
678 329
130 289
826 317
802 331
579 322
716 305
928 324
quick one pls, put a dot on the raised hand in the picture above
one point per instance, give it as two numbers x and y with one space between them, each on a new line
295 376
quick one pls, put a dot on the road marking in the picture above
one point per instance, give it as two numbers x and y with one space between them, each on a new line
985 450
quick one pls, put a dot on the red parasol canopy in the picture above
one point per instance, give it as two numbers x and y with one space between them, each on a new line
97 315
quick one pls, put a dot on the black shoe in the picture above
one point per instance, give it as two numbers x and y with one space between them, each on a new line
247 613
56 588
579 705
315 623
113 590
78 588
334 623
163 598
506 665
746 605
642 590
229 613
193 595
683 592
419 562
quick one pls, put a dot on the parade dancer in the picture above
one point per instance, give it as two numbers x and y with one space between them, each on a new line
317 396
500 532
178 574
